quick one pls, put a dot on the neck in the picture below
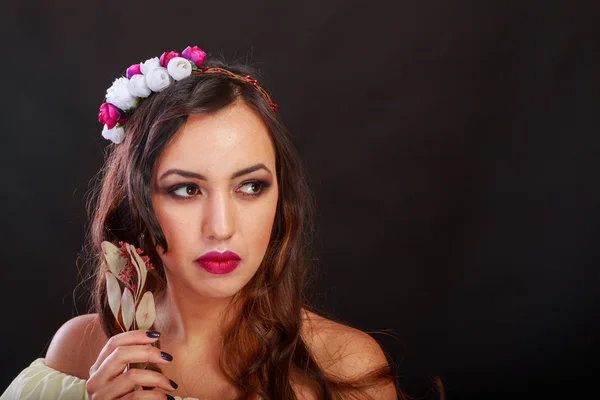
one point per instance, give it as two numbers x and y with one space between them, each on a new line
183 317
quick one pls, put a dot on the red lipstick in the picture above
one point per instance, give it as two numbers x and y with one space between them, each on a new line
219 263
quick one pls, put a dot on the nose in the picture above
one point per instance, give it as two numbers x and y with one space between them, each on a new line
219 217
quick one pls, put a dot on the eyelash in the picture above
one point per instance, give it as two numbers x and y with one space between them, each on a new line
262 184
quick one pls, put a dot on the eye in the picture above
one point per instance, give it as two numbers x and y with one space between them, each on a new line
253 188
186 190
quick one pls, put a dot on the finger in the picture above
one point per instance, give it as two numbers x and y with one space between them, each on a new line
116 362
136 337
126 383
146 395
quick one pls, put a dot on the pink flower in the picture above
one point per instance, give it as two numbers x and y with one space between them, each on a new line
108 115
133 70
123 119
146 260
123 249
194 54
166 57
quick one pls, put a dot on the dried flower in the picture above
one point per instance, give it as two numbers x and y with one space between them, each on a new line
125 281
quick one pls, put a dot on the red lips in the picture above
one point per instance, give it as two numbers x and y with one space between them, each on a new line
219 263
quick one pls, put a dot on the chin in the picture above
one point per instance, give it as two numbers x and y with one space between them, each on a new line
220 289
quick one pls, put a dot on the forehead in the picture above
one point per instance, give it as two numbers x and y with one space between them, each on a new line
218 144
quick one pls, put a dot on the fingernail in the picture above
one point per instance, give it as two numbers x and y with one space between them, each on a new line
173 384
153 334
166 356
170 397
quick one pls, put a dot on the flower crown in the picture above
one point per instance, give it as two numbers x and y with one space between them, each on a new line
155 75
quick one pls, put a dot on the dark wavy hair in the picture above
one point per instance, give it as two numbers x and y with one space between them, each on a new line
263 350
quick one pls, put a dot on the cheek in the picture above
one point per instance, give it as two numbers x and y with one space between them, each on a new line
257 226
175 223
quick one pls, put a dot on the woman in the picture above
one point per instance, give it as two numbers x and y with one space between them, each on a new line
203 178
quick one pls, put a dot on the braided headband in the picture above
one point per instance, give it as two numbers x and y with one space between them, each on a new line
155 75
246 78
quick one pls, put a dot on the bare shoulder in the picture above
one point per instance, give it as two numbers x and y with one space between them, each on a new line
345 352
76 345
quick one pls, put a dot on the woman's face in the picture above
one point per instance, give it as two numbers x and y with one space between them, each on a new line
214 189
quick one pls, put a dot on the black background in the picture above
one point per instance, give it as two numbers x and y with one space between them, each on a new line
453 148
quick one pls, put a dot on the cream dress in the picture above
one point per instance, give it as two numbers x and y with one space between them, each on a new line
40 382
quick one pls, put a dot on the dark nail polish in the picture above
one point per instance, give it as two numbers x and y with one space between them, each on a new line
173 384
153 334
170 397
166 356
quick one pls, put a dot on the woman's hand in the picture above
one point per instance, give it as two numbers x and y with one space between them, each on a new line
107 380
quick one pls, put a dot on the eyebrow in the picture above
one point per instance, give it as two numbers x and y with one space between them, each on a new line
189 174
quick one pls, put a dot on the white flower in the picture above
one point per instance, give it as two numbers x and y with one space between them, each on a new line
179 68
119 96
137 86
115 134
149 65
158 79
